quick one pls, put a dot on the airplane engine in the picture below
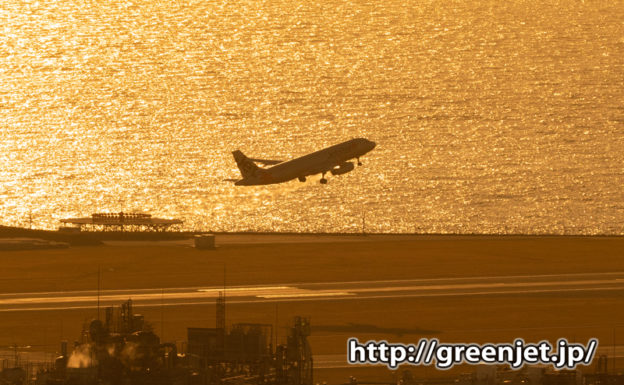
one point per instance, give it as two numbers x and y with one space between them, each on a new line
343 168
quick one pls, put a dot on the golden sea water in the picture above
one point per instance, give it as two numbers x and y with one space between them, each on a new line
490 116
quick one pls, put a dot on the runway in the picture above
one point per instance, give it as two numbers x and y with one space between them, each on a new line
322 291
260 239
276 238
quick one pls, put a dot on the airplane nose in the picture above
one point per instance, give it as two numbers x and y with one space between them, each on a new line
372 144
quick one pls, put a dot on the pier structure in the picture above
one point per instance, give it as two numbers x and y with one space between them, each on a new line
120 222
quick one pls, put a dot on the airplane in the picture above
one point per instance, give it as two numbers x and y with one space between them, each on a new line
334 159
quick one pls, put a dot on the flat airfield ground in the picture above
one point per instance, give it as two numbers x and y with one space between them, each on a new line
395 288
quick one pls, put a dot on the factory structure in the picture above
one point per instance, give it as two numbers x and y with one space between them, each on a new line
123 349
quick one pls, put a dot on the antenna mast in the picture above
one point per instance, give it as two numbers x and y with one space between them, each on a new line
98 293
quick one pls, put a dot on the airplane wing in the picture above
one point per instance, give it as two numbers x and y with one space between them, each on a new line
336 168
267 162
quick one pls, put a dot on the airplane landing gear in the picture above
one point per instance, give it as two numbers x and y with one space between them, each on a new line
323 180
302 179
358 162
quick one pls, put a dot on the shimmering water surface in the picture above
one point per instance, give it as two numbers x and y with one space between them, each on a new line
490 116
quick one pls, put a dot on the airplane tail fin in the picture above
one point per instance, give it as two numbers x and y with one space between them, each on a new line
246 166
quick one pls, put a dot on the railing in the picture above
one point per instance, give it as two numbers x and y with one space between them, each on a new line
120 216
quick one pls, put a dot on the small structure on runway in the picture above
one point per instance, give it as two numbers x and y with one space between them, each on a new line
205 241
120 222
